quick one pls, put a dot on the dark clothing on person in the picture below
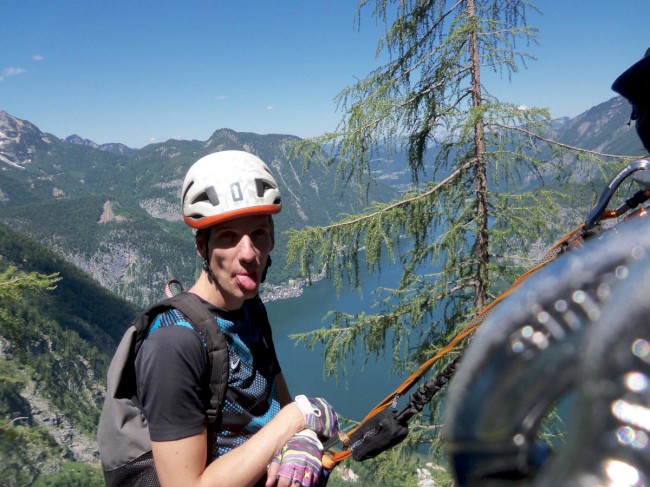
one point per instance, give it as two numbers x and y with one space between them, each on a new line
171 367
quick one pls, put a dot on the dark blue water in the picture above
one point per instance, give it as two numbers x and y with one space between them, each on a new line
368 379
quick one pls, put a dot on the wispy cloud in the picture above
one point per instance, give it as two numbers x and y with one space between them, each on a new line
7 72
269 107
221 97
37 57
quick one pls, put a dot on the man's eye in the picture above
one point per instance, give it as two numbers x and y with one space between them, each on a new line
261 237
227 236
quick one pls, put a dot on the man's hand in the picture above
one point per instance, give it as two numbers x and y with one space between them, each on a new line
320 417
299 461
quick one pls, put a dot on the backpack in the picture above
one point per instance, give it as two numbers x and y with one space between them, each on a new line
123 435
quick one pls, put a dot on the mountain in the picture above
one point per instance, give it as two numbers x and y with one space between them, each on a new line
604 128
117 216
111 147
115 212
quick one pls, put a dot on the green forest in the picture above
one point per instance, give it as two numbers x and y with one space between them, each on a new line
58 329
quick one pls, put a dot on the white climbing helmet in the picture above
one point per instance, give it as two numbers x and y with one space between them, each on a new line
226 185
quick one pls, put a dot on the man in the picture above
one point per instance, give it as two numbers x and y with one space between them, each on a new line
634 84
229 198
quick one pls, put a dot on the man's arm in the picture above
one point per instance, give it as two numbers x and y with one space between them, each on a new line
182 462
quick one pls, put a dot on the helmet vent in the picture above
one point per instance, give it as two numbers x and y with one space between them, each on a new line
212 195
189 186
200 197
262 186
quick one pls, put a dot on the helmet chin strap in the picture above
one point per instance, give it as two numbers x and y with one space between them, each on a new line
211 277
206 263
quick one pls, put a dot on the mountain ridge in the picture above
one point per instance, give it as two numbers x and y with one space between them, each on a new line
56 191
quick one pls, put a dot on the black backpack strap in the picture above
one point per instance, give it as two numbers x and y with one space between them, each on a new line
204 322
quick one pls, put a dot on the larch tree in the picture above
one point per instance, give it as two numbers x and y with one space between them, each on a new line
477 197
13 285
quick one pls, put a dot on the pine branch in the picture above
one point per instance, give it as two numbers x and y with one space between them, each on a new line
13 282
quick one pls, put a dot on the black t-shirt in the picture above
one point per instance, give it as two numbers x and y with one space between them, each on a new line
170 371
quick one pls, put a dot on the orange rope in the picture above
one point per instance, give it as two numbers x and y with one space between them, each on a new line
331 459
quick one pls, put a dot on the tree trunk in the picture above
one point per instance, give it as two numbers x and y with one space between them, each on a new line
482 254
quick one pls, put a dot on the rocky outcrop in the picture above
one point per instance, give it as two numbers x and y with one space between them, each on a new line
108 215
82 447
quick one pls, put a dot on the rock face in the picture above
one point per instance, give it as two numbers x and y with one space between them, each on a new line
36 410
81 447
19 140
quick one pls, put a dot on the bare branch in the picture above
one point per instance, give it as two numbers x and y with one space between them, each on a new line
404 202
560 144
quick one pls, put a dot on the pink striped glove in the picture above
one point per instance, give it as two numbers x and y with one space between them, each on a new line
320 417
298 461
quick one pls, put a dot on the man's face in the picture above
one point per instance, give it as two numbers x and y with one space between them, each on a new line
239 250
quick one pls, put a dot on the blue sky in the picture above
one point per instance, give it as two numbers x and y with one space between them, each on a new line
144 71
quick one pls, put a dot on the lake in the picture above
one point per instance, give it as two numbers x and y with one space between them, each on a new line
366 383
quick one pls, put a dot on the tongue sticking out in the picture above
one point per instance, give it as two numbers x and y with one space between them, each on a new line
248 282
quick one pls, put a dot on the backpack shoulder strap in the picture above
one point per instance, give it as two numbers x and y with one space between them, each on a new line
204 323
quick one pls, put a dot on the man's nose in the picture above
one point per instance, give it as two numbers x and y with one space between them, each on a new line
247 250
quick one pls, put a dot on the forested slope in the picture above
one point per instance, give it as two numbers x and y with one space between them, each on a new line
55 346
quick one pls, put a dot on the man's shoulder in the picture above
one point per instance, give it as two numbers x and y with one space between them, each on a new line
172 323
170 317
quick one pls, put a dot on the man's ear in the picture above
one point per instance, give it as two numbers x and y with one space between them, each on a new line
201 239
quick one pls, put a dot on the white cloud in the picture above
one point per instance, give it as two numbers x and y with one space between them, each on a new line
37 57
522 108
7 72
269 107
221 97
